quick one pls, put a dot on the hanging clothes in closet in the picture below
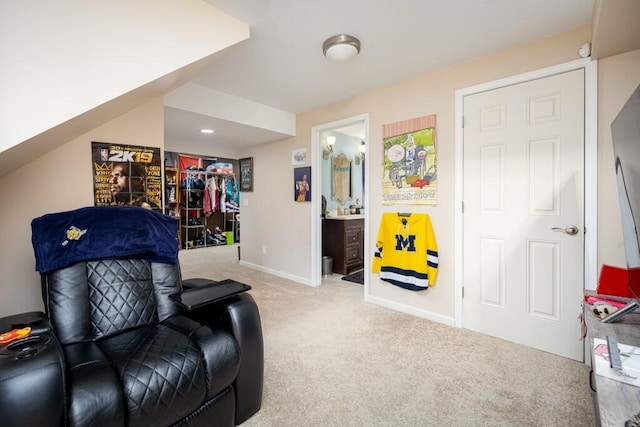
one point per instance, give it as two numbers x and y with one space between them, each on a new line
233 195
221 194
207 209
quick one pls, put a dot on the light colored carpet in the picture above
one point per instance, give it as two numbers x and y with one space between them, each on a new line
333 360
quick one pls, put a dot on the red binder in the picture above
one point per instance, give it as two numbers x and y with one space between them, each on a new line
616 281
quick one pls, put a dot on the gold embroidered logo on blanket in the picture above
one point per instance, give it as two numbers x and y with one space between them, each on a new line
74 233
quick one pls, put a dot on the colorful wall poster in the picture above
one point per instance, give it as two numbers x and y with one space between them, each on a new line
410 171
126 175
302 184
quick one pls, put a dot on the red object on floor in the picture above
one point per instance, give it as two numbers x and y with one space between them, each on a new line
616 281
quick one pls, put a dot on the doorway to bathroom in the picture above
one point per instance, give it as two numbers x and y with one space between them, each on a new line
341 171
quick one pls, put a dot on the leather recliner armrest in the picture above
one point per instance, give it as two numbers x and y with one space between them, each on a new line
209 293
239 314
36 320
220 350
96 394
196 282
243 319
32 388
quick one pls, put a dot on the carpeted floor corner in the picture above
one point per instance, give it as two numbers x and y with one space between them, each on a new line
332 359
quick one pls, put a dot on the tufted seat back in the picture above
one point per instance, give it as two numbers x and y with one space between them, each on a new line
92 300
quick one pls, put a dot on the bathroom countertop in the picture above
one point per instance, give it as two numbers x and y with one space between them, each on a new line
346 217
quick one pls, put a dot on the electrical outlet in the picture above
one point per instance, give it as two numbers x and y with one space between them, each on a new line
264 250
245 202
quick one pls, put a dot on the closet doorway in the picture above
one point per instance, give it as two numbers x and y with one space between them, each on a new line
349 150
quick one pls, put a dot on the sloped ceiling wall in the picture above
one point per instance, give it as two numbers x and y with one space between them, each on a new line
69 66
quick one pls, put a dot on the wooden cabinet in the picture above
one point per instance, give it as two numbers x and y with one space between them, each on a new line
343 239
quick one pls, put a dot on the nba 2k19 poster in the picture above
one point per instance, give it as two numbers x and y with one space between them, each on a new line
126 175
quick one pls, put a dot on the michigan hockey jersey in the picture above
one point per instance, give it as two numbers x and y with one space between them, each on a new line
406 252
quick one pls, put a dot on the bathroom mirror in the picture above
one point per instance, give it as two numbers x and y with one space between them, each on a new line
341 178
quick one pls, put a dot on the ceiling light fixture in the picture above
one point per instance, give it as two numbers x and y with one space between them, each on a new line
341 47
207 131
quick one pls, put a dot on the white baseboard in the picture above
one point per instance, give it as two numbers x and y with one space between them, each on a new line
450 321
278 273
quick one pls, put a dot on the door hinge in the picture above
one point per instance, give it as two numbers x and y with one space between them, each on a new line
463 292
462 207
462 120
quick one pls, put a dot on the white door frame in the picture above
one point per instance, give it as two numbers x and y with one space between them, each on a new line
316 186
590 159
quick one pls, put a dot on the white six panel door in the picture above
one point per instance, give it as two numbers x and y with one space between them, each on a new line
523 202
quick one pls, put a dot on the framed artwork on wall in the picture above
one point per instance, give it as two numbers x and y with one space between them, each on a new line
299 156
126 175
410 171
246 174
302 184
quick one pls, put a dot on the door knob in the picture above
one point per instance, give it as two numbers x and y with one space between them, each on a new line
571 230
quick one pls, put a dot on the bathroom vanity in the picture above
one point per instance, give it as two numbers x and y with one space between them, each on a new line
343 239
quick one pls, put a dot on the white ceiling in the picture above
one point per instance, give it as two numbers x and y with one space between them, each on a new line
281 65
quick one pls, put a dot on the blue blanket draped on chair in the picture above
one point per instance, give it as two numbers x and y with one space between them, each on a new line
102 232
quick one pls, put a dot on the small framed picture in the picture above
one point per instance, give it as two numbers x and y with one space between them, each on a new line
299 156
246 174
302 184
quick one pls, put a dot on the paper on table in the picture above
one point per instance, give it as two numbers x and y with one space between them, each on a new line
630 356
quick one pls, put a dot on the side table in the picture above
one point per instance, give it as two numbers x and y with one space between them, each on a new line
615 402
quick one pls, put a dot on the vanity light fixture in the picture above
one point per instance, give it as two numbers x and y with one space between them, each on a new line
341 48
331 141
360 156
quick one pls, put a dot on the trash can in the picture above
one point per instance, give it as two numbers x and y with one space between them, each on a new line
327 265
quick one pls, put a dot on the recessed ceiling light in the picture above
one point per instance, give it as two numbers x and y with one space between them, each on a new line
207 131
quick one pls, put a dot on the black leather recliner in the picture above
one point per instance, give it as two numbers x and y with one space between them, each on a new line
115 349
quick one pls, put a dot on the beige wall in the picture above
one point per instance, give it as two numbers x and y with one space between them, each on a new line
61 180
272 219
618 77
58 181
285 225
